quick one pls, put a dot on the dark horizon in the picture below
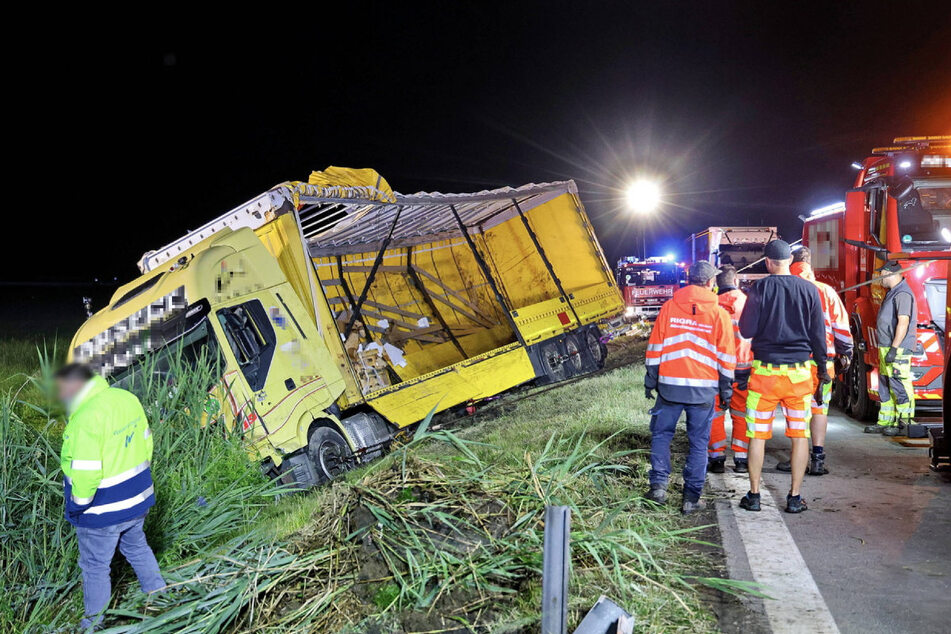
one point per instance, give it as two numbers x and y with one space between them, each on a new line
746 116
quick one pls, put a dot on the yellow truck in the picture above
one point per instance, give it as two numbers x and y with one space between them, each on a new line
340 311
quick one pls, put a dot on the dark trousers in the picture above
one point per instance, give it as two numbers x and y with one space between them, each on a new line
664 417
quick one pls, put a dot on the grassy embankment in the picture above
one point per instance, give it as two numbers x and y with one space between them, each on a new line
444 533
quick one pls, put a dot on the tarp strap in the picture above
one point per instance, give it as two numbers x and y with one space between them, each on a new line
418 283
488 275
376 265
551 269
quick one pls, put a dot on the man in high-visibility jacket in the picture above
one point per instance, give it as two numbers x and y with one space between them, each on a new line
896 331
783 318
106 459
732 299
690 361
839 357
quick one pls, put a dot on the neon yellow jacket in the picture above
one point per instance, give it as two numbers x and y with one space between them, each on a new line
106 457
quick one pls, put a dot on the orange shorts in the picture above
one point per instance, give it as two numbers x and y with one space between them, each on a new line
791 386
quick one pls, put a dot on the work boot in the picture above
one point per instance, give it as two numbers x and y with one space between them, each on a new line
692 506
891 430
716 465
740 465
657 494
750 501
817 464
874 429
785 466
795 504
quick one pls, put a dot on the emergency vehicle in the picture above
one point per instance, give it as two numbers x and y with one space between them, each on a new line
741 247
340 311
647 284
898 208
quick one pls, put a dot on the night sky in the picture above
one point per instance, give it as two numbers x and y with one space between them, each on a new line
124 139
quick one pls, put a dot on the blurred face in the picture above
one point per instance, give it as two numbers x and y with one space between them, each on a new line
67 389
778 266
892 280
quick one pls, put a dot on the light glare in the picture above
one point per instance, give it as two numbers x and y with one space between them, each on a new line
643 196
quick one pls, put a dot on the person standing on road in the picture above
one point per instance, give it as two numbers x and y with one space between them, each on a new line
106 461
783 318
690 361
839 353
896 335
732 299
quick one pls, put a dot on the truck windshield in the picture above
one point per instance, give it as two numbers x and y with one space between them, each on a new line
195 353
924 214
741 256
652 276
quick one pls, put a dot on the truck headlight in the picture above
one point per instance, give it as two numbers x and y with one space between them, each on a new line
629 311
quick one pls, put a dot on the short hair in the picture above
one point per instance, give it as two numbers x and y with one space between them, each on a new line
726 276
802 254
74 372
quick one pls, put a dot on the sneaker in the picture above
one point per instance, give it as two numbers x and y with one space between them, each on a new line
692 506
740 465
795 504
716 465
817 464
750 502
874 429
785 466
657 494
891 431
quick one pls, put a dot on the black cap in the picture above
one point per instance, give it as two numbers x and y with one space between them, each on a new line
778 250
891 266
700 272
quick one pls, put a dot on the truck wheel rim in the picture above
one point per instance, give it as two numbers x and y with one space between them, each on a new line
332 461
574 353
594 347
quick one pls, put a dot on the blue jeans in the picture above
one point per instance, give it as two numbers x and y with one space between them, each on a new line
664 417
96 548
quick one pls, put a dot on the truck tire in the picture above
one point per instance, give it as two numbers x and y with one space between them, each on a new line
329 453
595 352
575 362
553 363
860 405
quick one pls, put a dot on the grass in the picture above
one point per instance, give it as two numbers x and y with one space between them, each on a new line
444 534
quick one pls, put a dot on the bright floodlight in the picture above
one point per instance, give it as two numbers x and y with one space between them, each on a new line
669 257
643 196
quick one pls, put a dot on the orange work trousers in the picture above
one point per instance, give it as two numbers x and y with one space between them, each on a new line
739 442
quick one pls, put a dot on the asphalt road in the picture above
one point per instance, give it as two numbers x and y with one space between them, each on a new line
877 535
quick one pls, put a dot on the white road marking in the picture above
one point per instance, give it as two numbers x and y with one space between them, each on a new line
777 564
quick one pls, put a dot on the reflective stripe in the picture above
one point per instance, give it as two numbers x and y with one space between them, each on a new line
739 454
762 427
703 343
122 504
80 501
125 475
727 372
796 413
715 454
650 361
755 413
718 444
675 380
726 358
85 465
655 347
741 443
738 412
793 424
690 354
148 432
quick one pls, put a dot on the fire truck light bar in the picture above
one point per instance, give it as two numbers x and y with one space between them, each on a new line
828 210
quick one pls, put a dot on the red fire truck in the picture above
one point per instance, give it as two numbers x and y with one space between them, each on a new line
899 208
647 284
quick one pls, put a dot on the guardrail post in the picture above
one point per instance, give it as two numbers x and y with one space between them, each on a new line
557 558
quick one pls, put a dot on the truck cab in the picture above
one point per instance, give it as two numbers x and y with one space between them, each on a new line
899 208
647 284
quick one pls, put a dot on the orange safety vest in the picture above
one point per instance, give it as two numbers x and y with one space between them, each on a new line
691 351
732 302
838 335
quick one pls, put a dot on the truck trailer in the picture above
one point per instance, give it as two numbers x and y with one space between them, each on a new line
340 311
899 208
741 247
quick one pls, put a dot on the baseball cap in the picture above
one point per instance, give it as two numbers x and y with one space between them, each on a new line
891 266
700 272
778 250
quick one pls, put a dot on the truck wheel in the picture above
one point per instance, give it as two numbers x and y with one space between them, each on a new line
553 361
595 351
861 406
329 453
575 363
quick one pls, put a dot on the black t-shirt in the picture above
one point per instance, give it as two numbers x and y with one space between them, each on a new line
783 318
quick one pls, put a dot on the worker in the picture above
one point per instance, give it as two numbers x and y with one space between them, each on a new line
896 334
783 318
731 299
690 361
106 458
839 353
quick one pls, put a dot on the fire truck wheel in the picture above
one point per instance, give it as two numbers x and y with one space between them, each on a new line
329 453
860 406
574 364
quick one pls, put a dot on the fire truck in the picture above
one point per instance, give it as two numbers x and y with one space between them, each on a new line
899 208
741 247
647 284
